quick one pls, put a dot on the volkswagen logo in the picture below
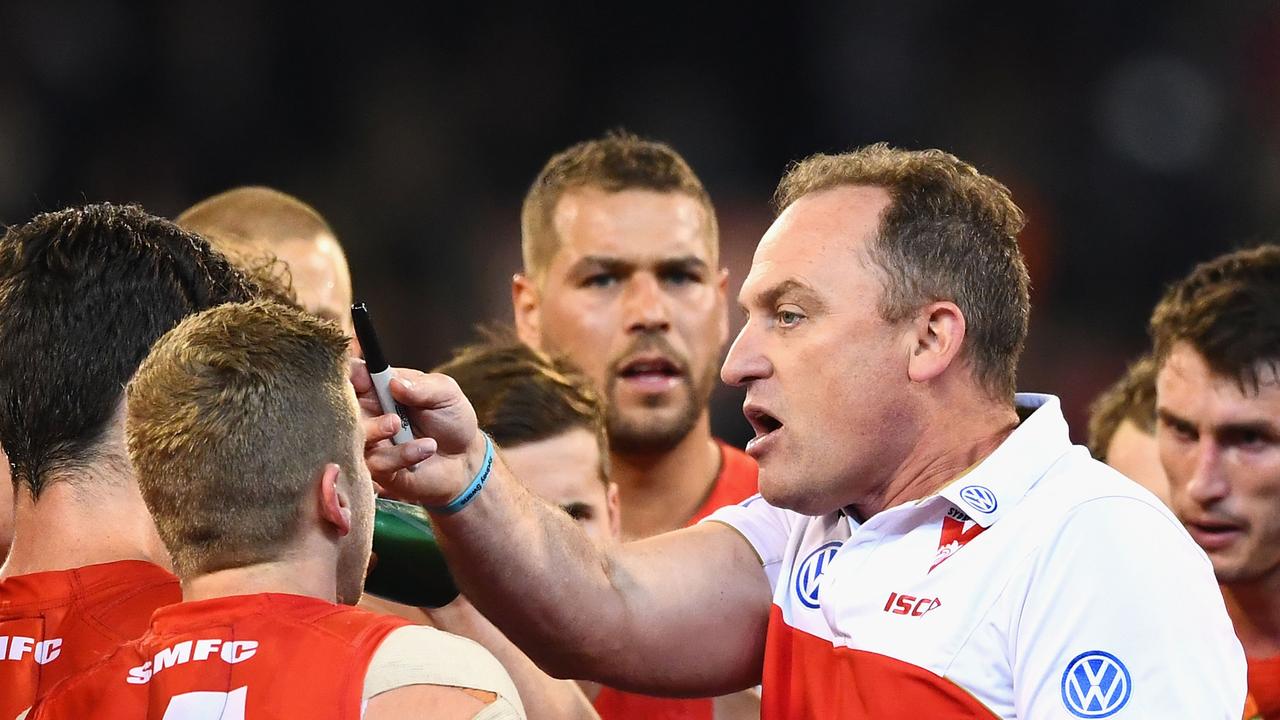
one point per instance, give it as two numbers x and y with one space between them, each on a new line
810 573
982 499
1095 685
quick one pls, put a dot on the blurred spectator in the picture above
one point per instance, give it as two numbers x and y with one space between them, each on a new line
1122 427
262 229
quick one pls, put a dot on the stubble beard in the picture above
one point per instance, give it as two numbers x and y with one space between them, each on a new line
645 430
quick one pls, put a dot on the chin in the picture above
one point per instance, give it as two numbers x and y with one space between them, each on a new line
790 497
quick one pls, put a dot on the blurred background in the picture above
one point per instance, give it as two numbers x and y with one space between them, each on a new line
1139 137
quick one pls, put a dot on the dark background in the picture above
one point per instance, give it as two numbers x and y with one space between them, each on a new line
1139 137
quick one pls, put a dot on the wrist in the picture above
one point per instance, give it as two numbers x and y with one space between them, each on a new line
481 456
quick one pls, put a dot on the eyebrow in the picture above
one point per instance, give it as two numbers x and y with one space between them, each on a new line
615 264
802 291
1260 427
1171 418
686 263
576 507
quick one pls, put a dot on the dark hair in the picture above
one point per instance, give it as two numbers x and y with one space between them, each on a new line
616 162
1132 398
1228 310
522 395
230 417
949 233
84 292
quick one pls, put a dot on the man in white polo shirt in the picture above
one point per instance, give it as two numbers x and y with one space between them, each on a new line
932 547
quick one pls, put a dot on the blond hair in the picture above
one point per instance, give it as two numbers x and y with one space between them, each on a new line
616 162
247 223
229 419
1132 398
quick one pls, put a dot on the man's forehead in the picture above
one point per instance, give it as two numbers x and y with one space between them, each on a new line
632 224
1187 383
818 243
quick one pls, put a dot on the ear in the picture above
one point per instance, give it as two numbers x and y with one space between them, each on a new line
335 506
526 304
937 332
613 505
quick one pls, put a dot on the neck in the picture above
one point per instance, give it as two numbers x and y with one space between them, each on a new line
1254 608
96 517
946 447
661 491
310 574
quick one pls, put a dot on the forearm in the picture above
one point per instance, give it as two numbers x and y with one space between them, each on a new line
544 697
623 617
527 567
627 617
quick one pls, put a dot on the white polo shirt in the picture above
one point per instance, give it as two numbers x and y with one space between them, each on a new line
1041 584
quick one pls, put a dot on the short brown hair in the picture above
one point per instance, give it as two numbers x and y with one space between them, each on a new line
229 419
245 223
949 233
1228 310
522 395
1132 398
616 162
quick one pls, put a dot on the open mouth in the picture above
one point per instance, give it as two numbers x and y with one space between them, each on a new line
651 374
765 425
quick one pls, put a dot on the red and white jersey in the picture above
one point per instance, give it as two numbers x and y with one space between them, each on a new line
1040 584
54 624
272 657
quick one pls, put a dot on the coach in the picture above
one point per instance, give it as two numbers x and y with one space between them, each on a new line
933 545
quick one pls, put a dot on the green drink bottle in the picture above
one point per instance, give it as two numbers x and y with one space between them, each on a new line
410 568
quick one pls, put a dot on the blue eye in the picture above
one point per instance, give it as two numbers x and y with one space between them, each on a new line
601 280
680 278
788 318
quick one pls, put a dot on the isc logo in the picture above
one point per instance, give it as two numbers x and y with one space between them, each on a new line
910 605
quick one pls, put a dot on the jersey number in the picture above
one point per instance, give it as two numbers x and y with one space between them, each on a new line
207 705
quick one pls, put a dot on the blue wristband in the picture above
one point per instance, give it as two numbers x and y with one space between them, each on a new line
467 495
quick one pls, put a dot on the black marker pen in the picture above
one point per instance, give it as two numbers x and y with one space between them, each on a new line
379 370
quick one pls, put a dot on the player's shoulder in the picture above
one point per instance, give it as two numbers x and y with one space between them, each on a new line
420 655
1083 497
1076 481
125 608
423 646
91 686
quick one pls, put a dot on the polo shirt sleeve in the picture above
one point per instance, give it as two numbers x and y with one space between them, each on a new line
764 526
1139 633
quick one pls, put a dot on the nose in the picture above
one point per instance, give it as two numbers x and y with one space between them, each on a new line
745 361
646 305
1208 483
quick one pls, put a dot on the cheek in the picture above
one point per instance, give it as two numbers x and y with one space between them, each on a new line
580 324
1257 483
597 529
1177 460
699 315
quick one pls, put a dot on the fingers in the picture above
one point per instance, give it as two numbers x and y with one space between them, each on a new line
386 459
377 429
420 390
359 374
362 383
